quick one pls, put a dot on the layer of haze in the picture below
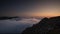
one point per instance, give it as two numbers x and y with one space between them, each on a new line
13 26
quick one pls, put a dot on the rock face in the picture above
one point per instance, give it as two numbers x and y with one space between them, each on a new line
45 26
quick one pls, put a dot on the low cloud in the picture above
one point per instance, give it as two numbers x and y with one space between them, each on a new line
13 26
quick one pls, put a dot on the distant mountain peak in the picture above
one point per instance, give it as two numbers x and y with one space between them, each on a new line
5 17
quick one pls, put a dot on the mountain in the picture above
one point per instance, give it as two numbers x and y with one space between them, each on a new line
45 26
4 17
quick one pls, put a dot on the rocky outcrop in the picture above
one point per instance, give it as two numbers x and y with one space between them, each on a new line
45 26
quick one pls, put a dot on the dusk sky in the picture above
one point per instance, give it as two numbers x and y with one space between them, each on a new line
29 8
33 10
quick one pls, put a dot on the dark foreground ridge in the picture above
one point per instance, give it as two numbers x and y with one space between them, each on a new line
45 26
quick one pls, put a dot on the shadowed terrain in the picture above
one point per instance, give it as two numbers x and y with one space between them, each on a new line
45 26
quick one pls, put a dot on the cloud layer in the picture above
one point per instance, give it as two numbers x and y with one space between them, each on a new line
13 26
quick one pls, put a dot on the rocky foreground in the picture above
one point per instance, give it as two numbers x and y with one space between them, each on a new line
45 26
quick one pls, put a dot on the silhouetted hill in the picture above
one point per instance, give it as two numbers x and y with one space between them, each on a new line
45 26
4 18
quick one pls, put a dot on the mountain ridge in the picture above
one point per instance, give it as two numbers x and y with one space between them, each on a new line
45 26
5 17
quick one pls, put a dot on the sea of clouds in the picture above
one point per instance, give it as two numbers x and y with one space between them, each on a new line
13 26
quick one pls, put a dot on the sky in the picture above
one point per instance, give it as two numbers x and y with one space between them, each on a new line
31 8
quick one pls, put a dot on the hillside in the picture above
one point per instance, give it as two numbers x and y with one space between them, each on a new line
45 26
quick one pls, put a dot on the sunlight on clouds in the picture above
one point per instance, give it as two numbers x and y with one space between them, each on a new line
29 21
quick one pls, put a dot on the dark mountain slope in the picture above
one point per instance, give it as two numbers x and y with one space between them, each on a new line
45 26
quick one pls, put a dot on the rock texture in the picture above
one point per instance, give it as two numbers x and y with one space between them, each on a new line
45 26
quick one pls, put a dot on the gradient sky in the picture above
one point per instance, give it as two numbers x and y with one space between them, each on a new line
29 8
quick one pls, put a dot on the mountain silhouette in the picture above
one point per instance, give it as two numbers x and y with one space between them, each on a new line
45 26
4 17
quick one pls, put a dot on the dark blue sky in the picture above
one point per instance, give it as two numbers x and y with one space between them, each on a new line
19 7
7 6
